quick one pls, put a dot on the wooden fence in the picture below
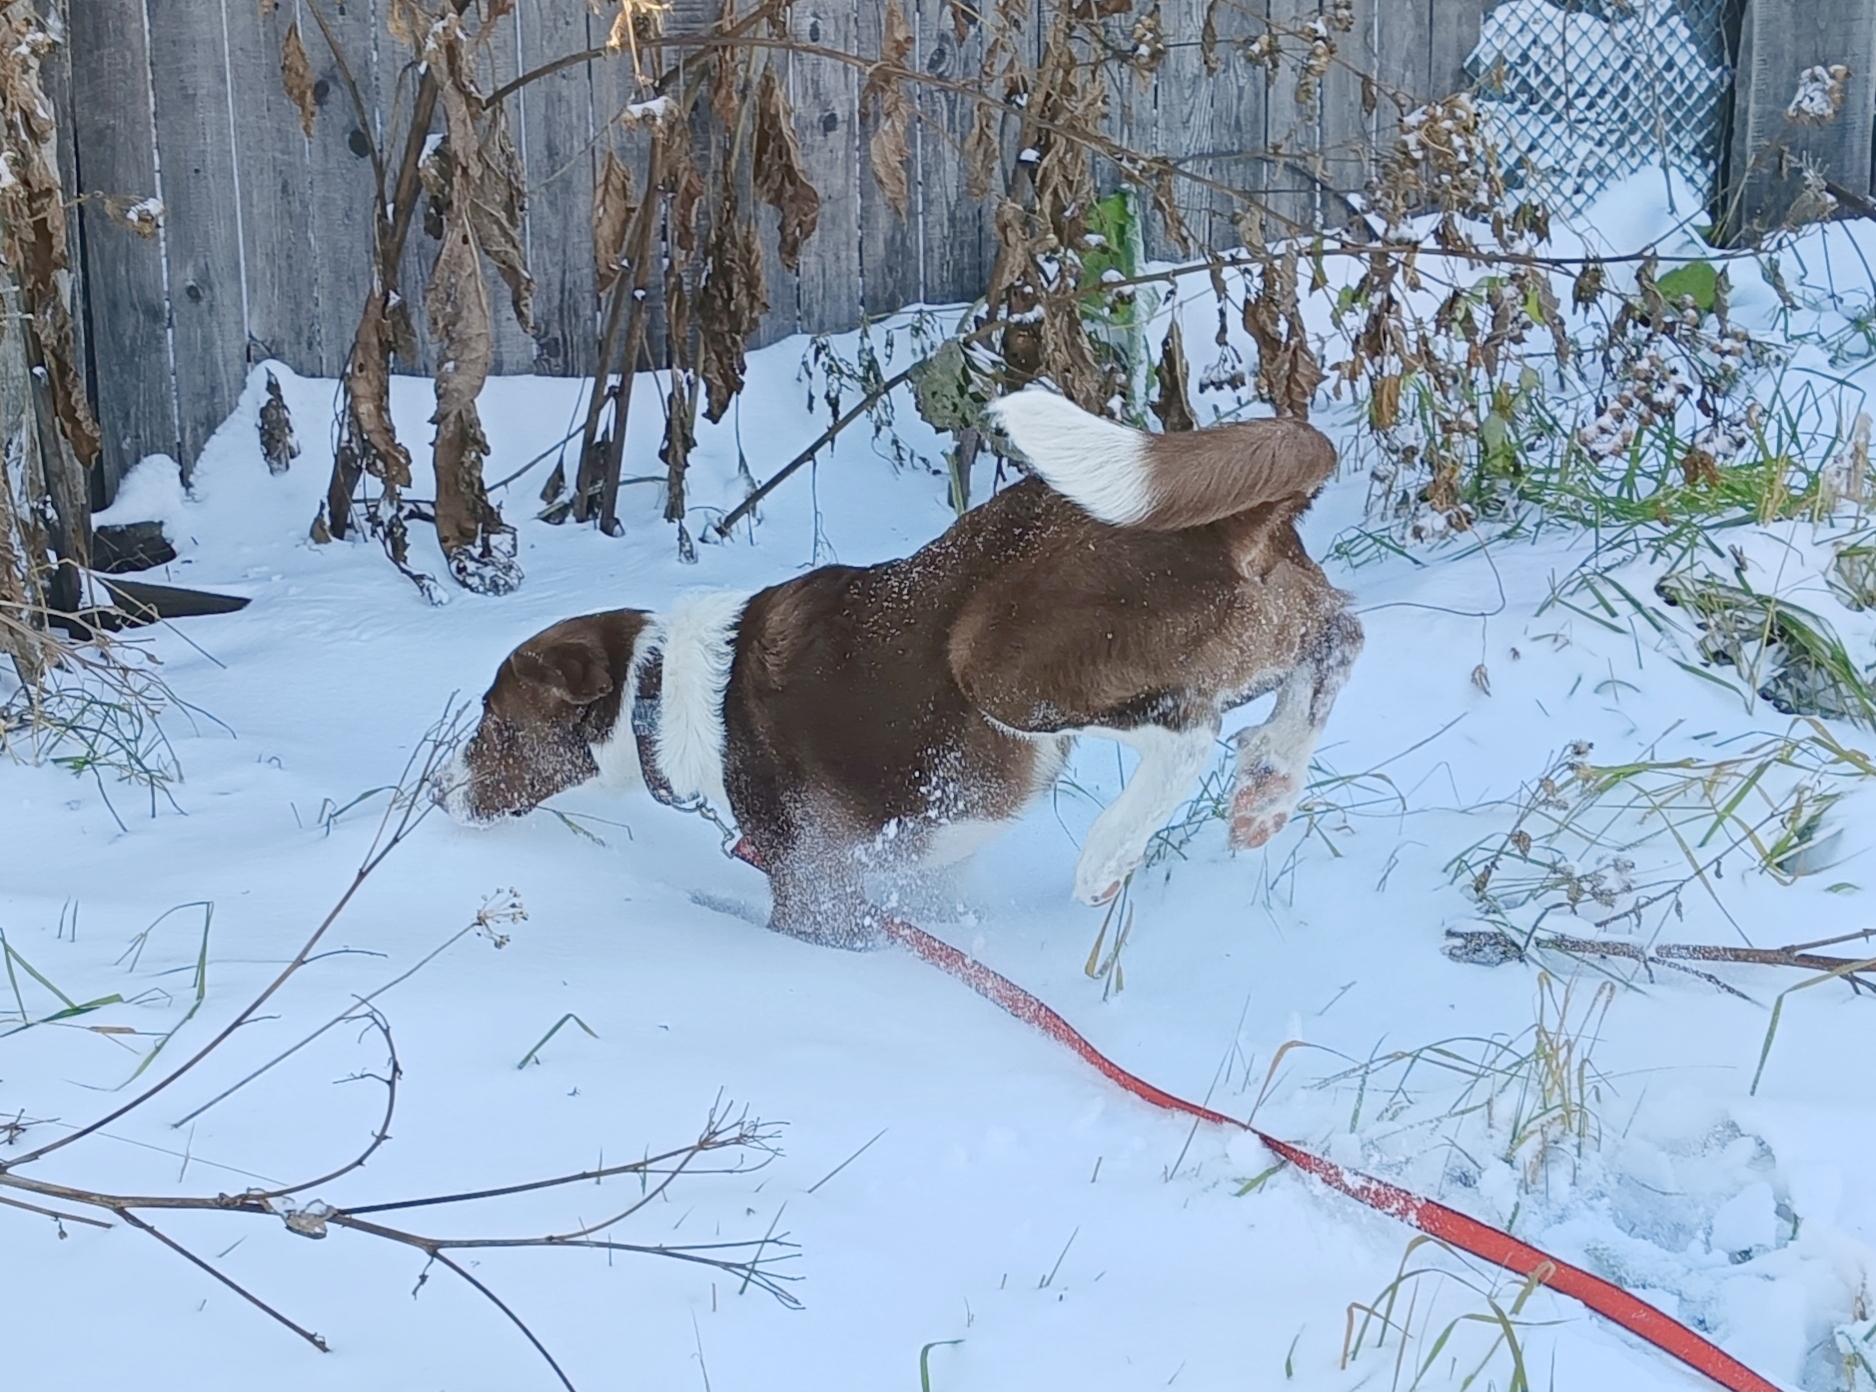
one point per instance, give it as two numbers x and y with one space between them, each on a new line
264 250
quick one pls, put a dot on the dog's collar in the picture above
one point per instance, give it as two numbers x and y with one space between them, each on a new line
647 692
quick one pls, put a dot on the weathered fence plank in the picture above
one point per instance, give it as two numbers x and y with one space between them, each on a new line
207 291
341 191
283 268
888 242
515 350
1779 39
554 118
1240 96
1293 128
124 300
827 106
1403 60
948 225
1453 33
1343 114
1175 112
56 74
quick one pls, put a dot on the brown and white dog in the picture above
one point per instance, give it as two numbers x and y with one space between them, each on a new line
890 716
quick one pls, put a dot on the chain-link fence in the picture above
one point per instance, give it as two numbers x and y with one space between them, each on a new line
1587 92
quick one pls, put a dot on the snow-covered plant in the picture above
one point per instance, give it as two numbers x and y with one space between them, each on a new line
1624 846
1820 94
1527 1103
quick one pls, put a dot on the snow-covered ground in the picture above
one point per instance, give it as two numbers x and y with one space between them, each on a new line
997 1197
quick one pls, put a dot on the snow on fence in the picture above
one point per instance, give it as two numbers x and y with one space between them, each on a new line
1587 95
264 247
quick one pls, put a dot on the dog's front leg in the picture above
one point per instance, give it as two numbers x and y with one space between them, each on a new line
1273 758
1171 763
822 902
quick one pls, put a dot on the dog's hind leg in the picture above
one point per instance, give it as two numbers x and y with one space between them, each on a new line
1171 763
1273 758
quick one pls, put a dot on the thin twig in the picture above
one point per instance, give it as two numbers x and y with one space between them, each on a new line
721 529
515 1319
54 1213
392 1072
315 1340
1494 945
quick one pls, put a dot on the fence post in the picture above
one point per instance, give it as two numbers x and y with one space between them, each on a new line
1779 39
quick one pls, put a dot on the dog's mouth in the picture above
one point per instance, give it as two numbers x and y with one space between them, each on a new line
493 779
464 809
465 796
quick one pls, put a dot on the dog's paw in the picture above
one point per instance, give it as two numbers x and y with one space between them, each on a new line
1263 796
1101 871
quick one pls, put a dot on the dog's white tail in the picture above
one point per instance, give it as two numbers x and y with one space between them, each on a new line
1163 482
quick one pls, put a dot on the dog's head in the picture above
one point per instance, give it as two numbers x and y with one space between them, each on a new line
554 697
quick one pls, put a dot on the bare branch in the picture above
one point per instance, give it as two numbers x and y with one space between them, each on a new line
315 1340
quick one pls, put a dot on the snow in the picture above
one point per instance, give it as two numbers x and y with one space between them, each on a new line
995 1191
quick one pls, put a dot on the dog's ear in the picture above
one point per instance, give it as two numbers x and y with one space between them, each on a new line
574 667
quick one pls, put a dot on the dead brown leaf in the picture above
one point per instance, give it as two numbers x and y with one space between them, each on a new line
1173 404
679 439
498 206
781 176
1384 406
368 387
982 155
1699 468
889 149
457 305
1287 370
1208 39
297 74
1166 203
730 304
613 207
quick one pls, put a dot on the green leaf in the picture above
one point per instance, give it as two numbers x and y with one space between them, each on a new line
1696 278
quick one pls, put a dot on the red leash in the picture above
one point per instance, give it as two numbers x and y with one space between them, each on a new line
1435 1219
